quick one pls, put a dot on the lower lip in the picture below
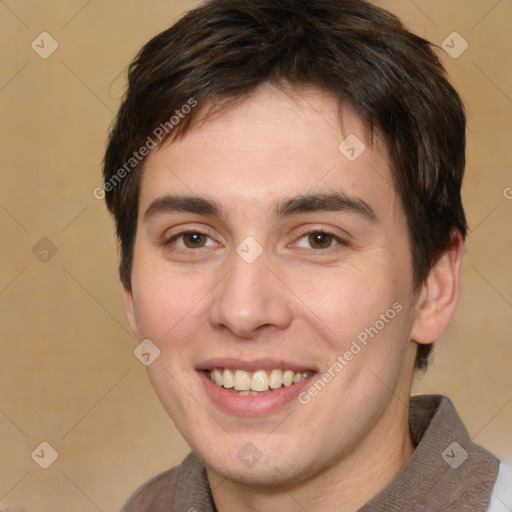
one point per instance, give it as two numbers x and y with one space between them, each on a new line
252 405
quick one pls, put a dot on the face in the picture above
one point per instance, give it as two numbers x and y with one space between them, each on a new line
278 265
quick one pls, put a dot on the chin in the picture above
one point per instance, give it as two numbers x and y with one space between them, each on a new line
243 467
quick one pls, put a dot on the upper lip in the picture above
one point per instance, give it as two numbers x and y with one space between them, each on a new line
252 365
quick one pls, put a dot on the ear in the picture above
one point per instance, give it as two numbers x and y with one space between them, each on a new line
129 309
439 295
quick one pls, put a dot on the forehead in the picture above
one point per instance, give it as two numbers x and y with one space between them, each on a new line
271 146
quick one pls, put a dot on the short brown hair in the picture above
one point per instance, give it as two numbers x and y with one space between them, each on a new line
224 50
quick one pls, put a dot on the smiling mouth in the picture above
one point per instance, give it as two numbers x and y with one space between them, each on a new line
259 382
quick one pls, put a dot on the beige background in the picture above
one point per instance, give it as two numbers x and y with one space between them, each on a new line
68 375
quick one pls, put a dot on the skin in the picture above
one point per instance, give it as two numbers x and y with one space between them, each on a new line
295 302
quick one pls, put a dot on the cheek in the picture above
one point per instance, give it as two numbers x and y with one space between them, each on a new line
163 302
348 300
362 316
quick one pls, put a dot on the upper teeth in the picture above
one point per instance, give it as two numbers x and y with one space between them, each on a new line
260 380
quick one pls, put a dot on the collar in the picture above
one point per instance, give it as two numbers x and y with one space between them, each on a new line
447 470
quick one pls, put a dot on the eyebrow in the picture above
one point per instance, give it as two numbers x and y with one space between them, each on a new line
330 202
190 204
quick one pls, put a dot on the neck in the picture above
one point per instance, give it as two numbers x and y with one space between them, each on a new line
343 487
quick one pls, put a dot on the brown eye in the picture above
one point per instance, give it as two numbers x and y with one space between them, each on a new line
193 240
319 240
190 240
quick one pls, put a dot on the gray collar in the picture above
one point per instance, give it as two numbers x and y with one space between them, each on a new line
447 470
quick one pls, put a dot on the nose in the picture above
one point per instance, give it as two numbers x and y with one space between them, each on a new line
249 298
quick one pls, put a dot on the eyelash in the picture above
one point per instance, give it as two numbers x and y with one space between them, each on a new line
337 239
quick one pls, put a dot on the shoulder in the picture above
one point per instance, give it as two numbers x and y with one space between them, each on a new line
501 500
158 493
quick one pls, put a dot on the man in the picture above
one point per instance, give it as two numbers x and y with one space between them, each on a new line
285 179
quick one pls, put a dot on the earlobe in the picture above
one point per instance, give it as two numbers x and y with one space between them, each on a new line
129 308
439 295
